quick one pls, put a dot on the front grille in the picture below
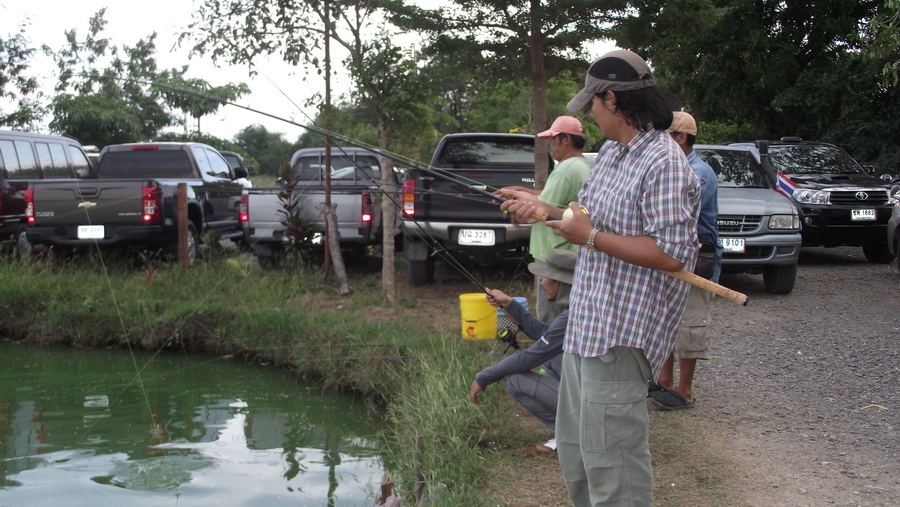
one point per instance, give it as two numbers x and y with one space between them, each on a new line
738 223
859 197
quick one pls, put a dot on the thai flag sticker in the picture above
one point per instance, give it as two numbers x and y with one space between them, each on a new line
785 185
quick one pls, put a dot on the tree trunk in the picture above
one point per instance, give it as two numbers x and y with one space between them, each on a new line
538 96
331 235
388 218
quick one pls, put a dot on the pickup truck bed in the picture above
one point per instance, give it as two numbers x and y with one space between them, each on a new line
451 213
135 203
355 191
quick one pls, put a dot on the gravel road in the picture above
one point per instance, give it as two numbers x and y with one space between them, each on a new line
803 388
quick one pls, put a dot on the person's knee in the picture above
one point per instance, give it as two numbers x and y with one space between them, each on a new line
514 385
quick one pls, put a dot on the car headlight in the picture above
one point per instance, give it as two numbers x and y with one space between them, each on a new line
784 222
894 196
806 196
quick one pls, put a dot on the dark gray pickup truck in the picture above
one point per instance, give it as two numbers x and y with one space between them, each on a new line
131 199
450 213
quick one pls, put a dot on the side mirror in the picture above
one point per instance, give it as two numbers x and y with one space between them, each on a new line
241 172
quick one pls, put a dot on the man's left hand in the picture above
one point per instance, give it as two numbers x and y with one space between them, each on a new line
575 229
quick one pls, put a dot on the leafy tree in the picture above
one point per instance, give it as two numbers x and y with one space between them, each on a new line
534 40
16 85
269 149
884 33
104 94
783 68
193 95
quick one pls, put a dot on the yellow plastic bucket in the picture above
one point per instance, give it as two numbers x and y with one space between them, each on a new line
478 317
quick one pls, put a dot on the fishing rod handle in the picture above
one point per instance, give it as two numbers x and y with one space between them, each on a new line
711 286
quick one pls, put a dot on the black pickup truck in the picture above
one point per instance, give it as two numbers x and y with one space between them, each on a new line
452 214
840 204
131 199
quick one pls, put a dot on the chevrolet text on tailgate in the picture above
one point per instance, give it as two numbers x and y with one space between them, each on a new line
131 199
457 217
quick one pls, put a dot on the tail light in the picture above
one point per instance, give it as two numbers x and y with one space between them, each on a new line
144 147
366 209
409 197
29 206
150 204
244 213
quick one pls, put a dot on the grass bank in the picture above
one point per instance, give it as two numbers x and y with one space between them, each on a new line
412 365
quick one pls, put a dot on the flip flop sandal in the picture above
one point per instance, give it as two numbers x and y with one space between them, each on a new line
668 399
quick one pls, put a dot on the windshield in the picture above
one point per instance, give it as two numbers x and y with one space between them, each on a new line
734 168
812 159
145 164
475 152
233 161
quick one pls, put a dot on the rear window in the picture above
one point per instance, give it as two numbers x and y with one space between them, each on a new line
734 168
145 164
486 152
812 159
359 168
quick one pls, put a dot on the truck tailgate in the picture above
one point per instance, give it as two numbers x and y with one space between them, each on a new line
101 202
442 200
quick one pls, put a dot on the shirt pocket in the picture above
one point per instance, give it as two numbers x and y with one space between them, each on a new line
618 212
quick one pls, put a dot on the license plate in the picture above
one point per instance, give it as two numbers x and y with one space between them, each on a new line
91 232
478 237
732 245
863 214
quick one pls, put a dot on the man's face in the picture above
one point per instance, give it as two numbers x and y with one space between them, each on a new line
558 146
551 287
602 111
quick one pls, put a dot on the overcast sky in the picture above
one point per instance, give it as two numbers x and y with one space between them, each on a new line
130 20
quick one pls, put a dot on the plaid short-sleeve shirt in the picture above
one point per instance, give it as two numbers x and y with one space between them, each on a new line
646 188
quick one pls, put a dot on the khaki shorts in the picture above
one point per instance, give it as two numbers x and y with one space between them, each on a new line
693 332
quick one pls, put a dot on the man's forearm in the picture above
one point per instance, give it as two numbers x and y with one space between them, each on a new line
639 250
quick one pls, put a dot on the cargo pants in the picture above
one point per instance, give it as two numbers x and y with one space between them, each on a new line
602 429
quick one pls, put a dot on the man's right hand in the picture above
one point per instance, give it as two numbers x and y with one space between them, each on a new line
497 297
474 391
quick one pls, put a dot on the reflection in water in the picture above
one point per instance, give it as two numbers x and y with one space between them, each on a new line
74 430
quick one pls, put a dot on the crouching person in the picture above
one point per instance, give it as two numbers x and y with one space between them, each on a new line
536 391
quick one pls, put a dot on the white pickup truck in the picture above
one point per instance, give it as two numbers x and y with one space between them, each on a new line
355 180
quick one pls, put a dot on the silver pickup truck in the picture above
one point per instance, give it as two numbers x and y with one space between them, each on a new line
759 229
355 179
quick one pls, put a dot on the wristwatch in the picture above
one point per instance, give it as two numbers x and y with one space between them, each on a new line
590 240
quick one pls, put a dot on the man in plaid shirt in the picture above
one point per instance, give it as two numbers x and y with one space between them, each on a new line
637 217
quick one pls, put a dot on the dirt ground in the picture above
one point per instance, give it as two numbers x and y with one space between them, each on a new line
798 405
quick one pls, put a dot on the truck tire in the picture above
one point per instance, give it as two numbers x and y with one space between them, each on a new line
24 248
878 253
193 247
897 248
780 279
421 272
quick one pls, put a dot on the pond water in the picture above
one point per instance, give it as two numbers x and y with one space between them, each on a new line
80 427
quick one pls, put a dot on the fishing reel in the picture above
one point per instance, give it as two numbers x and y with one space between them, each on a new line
507 332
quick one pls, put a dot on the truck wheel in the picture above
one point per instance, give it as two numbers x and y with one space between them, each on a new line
193 247
24 248
779 279
897 248
878 253
421 272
